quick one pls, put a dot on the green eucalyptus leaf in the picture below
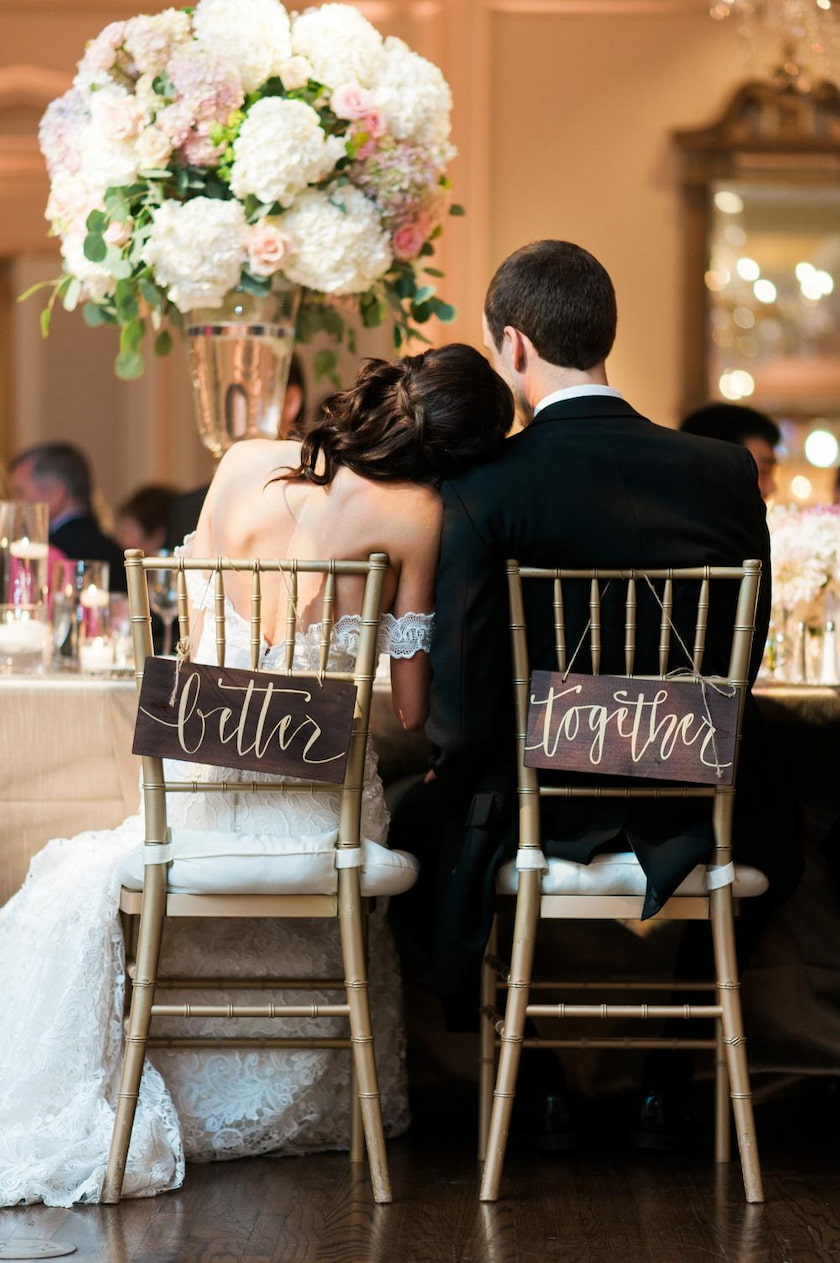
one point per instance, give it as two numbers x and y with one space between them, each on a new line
129 365
307 324
95 248
93 316
424 293
71 295
117 205
163 342
456 210
125 301
131 335
406 286
150 293
325 365
332 322
433 272
445 312
259 285
97 221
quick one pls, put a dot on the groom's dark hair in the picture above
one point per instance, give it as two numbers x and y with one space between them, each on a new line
560 297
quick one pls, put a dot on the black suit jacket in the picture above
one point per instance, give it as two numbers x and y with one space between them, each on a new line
81 539
589 483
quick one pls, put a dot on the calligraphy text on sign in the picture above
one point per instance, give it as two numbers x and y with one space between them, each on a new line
256 721
675 730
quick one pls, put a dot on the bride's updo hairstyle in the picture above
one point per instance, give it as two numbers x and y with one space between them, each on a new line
419 419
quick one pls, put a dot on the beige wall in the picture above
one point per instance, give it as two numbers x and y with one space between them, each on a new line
563 110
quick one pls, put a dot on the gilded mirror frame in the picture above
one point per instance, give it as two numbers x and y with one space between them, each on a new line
776 130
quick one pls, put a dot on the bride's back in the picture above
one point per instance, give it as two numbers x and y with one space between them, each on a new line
252 510
362 481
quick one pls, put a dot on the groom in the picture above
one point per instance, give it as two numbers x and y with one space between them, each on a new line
588 482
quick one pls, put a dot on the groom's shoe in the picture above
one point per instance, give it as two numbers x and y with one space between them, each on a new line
542 1118
663 1123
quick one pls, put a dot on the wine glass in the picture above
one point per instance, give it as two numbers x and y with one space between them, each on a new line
163 598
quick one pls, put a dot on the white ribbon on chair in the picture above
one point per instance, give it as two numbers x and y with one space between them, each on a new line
530 857
350 857
720 875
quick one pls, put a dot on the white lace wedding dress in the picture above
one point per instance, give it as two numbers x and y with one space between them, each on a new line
62 984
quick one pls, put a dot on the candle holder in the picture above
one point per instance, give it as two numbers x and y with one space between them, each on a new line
96 643
24 627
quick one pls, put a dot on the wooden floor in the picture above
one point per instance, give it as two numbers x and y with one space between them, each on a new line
599 1205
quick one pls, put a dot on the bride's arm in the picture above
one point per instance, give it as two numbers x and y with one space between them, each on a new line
411 677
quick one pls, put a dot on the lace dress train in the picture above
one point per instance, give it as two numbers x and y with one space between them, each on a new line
62 982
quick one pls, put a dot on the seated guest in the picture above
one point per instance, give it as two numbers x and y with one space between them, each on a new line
59 474
735 423
142 518
185 509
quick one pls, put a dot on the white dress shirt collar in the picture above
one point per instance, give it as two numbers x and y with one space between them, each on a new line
572 392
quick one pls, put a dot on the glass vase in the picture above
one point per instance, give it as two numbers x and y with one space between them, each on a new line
239 357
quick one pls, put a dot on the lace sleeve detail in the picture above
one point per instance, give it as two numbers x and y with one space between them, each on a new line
405 636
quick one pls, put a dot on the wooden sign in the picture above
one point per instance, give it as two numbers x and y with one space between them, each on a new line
629 727
257 721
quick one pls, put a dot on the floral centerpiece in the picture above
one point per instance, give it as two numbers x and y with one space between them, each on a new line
804 555
203 149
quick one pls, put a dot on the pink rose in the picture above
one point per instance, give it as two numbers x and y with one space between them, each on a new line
118 233
408 239
372 126
267 247
351 101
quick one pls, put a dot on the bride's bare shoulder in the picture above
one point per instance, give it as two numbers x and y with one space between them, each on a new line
256 458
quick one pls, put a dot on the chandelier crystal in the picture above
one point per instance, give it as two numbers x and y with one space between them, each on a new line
799 38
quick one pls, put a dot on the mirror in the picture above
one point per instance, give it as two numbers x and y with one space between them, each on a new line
761 190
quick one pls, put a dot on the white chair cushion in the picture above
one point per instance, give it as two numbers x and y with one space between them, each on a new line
621 874
207 863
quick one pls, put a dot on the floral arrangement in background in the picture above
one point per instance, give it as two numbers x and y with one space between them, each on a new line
804 555
207 148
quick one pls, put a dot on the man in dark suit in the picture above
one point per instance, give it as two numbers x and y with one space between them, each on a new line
59 475
587 482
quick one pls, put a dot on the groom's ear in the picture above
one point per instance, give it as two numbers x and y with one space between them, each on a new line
519 348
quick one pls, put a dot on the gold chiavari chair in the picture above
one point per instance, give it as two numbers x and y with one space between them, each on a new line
613 886
340 893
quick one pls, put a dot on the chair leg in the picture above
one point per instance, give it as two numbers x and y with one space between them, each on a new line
521 967
722 1120
728 991
357 1134
361 1031
487 1034
140 1016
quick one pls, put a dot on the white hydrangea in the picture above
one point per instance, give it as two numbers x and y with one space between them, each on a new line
253 34
413 96
337 243
197 250
149 40
109 143
341 45
97 282
280 150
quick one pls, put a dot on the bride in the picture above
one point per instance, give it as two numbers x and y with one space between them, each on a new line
364 480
